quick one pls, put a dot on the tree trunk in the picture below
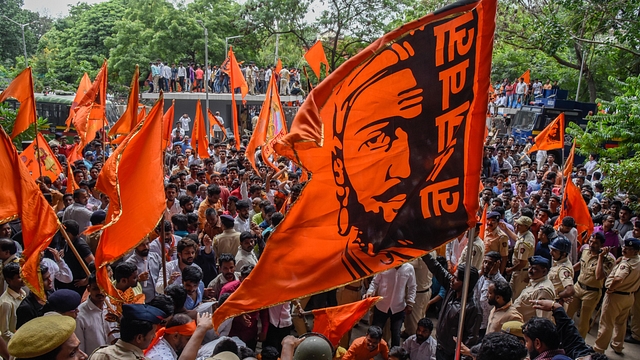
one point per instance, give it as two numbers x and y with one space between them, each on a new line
591 85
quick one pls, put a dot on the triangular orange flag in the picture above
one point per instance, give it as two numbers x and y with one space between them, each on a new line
83 87
74 155
90 112
276 126
135 206
259 135
568 165
573 205
39 150
237 81
395 158
526 76
334 322
199 141
130 117
72 185
483 220
278 67
315 56
213 120
551 137
167 124
21 198
21 89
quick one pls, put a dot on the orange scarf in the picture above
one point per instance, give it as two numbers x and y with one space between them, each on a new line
187 330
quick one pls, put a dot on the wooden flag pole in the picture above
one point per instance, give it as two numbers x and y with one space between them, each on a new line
64 233
38 149
465 289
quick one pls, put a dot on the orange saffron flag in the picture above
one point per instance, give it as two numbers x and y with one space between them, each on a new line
551 137
74 155
130 117
199 141
72 185
213 121
483 220
135 206
568 165
394 155
21 89
334 322
526 76
315 57
167 123
278 68
573 205
90 112
237 81
38 157
83 87
21 198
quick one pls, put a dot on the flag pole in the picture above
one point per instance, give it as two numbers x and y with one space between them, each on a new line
63 231
465 289
38 150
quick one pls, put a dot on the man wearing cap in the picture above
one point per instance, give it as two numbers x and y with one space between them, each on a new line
539 288
561 273
523 250
595 265
137 330
48 337
62 302
495 239
514 328
623 281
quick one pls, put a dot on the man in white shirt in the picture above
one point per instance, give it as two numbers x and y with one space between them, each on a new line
10 300
166 75
148 265
245 254
91 327
217 131
521 89
242 221
185 120
187 250
178 133
422 346
397 286
280 324
222 164
182 73
170 341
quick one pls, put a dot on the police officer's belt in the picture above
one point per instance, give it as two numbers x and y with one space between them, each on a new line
622 293
588 288
422 291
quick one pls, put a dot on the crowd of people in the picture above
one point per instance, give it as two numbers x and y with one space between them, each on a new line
192 77
518 93
528 280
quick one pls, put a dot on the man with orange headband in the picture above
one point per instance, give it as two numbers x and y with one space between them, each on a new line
171 340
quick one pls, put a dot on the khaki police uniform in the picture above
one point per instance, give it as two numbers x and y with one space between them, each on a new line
499 316
496 240
561 275
524 249
478 254
424 278
617 305
119 351
540 289
588 289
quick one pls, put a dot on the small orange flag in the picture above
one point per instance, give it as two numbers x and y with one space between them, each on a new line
72 185
573 205
526 76
336 321
568 165
237 81
135 206
83 87
39 151
199 141
21 198
315 56
483 220
90 112
74 155
21 89
551 137
278 67
213 120
167 123
130 117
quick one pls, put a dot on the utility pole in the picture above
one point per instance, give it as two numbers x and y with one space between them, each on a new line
206 78
24 43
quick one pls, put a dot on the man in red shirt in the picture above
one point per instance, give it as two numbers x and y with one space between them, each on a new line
367 347
199 78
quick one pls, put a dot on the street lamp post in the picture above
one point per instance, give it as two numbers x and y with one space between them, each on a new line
24 43
206 76
226 43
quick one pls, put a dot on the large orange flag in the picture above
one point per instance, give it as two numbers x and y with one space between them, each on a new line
237 81
90 112
135 206
568 165
315 56
40 152
21 198
391 138
72 185
83 87
551 137
573 205
336 321
129 118
167 124
213 120
199 141
526 76
21 89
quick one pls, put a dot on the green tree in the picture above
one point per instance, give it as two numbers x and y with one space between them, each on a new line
11 46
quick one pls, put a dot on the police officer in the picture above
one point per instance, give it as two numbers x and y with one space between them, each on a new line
539 288
137 329
524 249
595 265
623 281
47 337
495 239
561 273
